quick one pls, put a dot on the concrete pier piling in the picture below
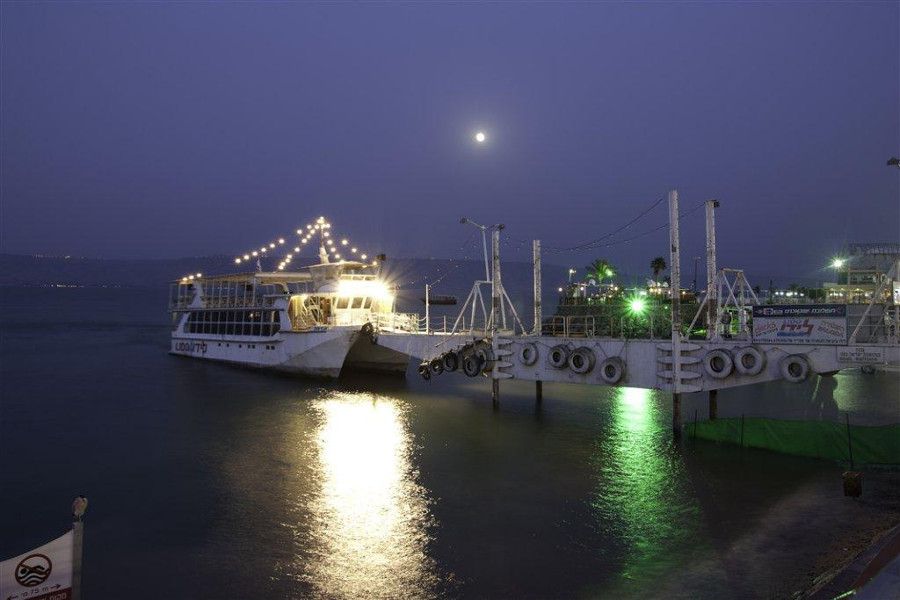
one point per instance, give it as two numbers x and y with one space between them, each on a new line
676 416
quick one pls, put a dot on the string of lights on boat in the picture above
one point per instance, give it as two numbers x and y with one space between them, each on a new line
306 234
322 227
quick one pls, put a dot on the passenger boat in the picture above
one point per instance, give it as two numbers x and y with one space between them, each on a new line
318 320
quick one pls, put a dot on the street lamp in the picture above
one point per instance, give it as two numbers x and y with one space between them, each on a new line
483 228
571 272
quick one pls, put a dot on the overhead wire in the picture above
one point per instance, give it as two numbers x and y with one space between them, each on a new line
595 243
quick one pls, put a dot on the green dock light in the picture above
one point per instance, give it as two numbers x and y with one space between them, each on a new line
609 273
637 306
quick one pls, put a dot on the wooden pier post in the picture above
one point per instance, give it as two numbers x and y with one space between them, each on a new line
713 404
676 416
495 393
538 391
78 508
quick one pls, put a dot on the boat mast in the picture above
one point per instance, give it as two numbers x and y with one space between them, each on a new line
323 253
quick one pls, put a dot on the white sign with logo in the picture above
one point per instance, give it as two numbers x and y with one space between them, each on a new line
800 324
44 573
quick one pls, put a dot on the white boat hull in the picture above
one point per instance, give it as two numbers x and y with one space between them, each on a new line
325 353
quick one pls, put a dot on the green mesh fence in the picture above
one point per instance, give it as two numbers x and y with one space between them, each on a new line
818 439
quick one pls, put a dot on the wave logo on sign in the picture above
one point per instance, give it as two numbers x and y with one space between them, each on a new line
33 570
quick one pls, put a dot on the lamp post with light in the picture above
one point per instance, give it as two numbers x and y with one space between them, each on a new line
837 264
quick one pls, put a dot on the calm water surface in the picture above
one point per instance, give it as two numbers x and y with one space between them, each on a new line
207 481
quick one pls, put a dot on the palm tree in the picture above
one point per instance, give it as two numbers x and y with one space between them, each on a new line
657 265
600 269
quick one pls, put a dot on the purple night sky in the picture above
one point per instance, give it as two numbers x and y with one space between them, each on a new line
161 130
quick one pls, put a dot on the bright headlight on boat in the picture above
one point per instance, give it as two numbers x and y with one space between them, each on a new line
374 289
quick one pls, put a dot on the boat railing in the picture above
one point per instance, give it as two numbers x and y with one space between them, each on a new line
358 277
405 322
570 326
223 303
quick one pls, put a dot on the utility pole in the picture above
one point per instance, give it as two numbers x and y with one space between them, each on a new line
427 308
712 301
675 275
495 312
536 263
538 316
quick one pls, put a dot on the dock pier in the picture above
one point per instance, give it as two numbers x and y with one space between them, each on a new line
570 350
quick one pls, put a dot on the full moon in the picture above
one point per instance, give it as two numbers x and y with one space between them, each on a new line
480 137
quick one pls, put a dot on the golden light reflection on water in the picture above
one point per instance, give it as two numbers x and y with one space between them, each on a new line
371 518
642 496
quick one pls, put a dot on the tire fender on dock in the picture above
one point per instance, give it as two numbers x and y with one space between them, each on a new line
559 356
794 368
451 361
485 354
749 360
424 371
612 370
436 365
582 360
528 354
472 365
718 363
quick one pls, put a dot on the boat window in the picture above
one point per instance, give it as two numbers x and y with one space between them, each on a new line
276 322
342 303
357 303
367 303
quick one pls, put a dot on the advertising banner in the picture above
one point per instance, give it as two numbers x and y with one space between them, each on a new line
800 324
44 573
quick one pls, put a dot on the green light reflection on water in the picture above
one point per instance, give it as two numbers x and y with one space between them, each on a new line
644 499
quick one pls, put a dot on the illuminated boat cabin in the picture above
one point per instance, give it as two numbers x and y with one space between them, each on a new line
262 304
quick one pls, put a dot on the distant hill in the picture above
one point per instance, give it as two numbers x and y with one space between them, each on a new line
447 276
